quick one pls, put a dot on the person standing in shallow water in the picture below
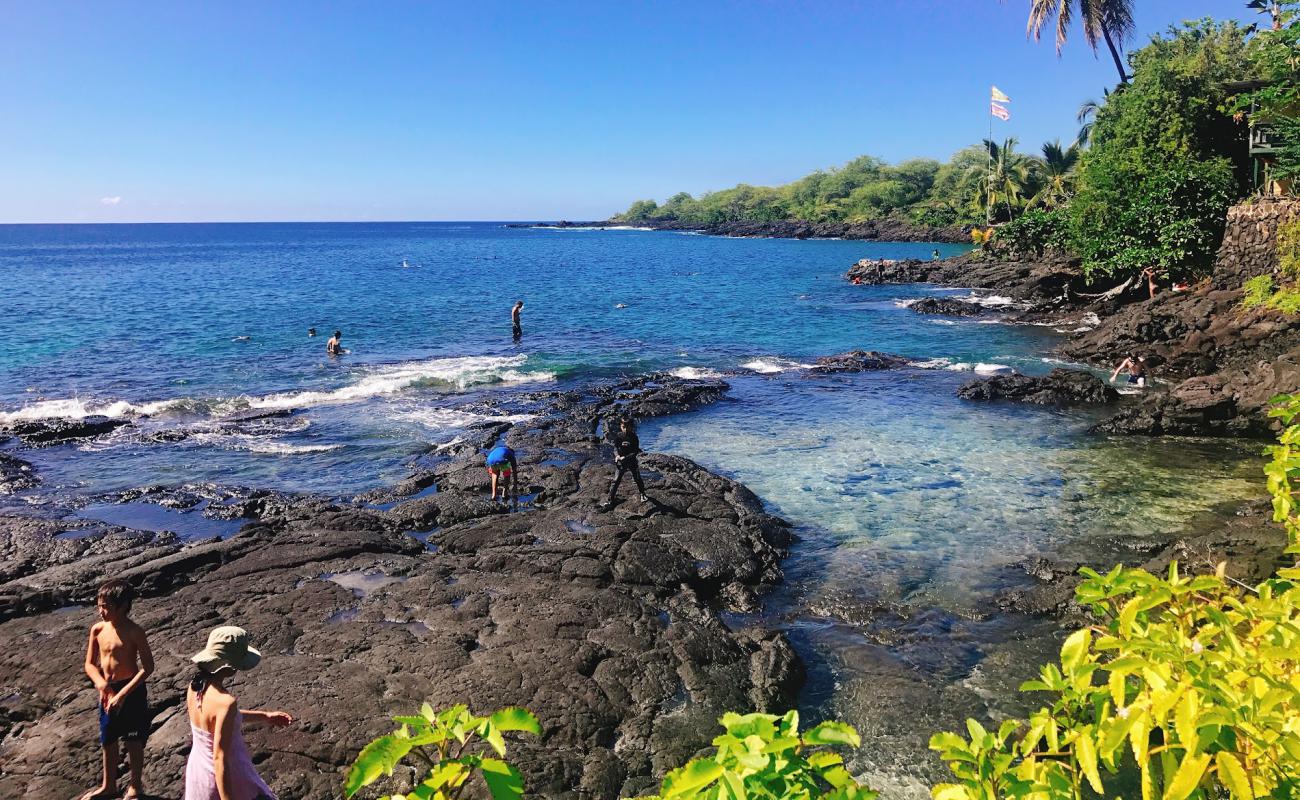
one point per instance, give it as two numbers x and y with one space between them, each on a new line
627 446
334 346
1137 371
219 766
516 326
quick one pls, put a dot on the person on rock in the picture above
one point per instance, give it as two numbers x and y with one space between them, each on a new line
516 326
219 766
1137 371
334 346
118 661
1150 274
503 467
627 446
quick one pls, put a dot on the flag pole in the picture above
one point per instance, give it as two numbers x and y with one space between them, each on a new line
988 183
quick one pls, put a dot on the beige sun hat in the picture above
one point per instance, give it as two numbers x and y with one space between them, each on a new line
227 647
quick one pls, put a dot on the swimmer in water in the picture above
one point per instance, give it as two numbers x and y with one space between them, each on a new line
311 333
504 469
333 346
1137 371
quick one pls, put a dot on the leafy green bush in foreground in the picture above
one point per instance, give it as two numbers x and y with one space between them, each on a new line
764 756
443 741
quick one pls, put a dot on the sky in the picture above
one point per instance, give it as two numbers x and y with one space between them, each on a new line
243 110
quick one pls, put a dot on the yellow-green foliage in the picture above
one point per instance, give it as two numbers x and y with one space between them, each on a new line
1187 687
1288 248
764 756
1257 291
449 743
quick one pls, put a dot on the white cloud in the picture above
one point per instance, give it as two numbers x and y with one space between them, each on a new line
110 201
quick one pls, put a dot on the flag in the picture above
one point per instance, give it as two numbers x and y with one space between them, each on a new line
999 97
999 111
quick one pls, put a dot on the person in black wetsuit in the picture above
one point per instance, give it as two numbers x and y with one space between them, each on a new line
516 326
626 449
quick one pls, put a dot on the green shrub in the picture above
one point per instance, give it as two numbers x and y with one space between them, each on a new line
764 756
1033 233
1257 291
1288 248
445 742
1286 300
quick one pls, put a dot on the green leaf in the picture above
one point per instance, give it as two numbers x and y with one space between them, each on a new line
732 787
1187 777
493 737
1075 648
950 791
375 759
1233 775
695 775
832 732
1086 752
516 719
503 781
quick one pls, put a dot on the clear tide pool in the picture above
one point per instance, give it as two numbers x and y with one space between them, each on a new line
915 509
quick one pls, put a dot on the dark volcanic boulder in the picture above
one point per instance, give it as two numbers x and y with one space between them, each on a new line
47 432
947 306
857 361
16 475
1059 387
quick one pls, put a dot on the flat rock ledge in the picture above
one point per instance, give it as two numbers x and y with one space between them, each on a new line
1058 388
605 623
947 306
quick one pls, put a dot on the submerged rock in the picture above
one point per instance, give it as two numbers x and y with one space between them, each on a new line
1059 387
947 306
602 621
49 432
857 361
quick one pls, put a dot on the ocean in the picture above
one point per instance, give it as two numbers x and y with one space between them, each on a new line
915 510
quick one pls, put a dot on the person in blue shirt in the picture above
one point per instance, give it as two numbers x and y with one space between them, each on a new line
504 469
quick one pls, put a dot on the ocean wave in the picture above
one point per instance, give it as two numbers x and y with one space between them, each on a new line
252 443
771 366
694 373
459 372
993 369
76 408
933 363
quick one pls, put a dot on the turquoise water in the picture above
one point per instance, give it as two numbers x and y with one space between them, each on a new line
915 510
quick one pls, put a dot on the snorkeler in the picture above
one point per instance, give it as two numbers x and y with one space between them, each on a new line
1137 370
504 469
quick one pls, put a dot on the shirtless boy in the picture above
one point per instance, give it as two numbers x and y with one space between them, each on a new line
118 661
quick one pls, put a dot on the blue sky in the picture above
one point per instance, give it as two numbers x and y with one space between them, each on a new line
242 110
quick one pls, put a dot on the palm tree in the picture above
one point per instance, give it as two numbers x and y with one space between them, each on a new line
1006 180
1057 172
1103 20
1087 117
1273 8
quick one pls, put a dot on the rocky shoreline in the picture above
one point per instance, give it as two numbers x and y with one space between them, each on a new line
887 229
610 625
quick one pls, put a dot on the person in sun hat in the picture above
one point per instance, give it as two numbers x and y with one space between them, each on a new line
219 767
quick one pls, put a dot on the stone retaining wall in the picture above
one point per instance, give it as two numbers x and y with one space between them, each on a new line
1250 239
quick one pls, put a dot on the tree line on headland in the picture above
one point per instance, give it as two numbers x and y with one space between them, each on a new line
1146 182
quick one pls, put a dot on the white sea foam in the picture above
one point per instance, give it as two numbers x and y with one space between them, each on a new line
454 419
694 373
933 363
771 366
76 408
460 372
993 369
906 303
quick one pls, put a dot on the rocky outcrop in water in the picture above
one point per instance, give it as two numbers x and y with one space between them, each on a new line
603 622
16 475
884 230
947 306
857 361
49 432
1060 387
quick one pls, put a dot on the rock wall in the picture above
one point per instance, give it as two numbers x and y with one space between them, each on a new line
1250 239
